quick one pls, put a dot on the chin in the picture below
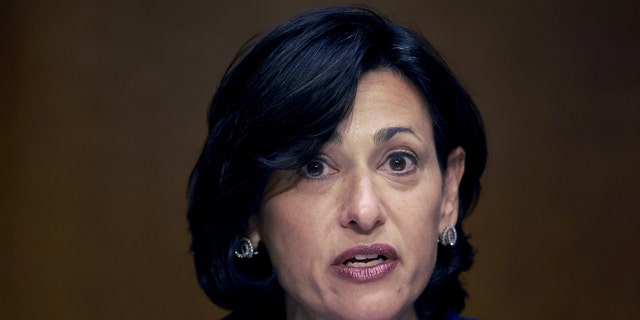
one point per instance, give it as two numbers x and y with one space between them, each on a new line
379 308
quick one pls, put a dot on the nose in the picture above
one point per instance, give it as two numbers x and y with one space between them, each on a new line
364 211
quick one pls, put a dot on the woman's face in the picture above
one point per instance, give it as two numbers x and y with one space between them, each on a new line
353 234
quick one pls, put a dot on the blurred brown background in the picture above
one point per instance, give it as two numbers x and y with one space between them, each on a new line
103 115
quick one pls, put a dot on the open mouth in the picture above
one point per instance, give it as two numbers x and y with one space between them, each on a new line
363 256
366 263
365 260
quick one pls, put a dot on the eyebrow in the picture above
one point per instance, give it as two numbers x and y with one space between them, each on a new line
385 134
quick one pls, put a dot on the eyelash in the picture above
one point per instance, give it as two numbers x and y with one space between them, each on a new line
407 155
413 159
304 171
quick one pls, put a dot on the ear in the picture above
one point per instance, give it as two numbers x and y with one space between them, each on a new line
252 230
451 183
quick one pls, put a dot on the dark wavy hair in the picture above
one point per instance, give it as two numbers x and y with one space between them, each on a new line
278 103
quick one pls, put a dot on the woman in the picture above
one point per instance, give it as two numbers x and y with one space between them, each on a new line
341 159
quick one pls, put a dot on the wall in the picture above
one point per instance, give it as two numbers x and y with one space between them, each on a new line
103 116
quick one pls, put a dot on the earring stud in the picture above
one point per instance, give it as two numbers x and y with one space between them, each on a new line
245 249
448 237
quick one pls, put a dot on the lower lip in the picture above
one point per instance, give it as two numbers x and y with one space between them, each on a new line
366 274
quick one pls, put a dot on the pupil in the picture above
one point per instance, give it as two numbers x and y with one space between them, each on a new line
398 163
315 168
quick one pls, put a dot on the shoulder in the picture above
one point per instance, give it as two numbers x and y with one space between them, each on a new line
255 314
453 315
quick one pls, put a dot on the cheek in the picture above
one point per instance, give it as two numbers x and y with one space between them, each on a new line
288 230
420 210
420 236
420 222
421 240
292 231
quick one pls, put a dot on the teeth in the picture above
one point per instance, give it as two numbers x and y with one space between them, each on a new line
365 261
366 256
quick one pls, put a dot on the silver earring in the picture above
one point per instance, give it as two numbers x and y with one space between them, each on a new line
448 237
245 249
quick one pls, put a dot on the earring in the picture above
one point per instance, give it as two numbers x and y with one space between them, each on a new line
448 237
245 249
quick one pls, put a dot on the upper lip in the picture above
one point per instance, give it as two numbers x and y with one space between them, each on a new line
385 250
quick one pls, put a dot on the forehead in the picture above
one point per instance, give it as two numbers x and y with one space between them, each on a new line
385 99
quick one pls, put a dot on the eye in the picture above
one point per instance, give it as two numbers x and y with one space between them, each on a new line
401 162
316 169
397 163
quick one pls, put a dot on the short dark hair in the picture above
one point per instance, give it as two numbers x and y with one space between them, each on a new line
278 103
